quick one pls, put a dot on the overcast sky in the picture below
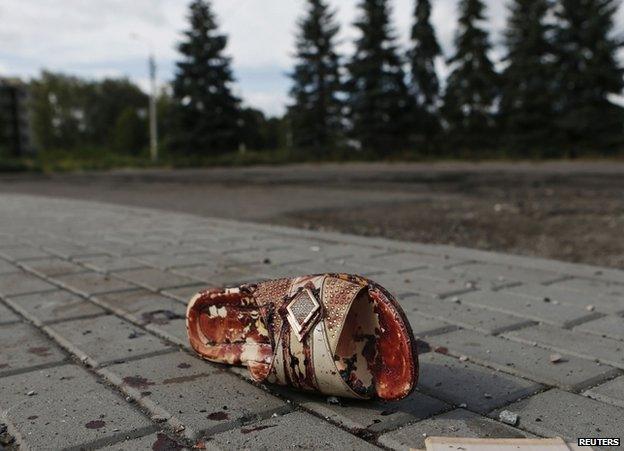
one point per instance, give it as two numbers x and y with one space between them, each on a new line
92 38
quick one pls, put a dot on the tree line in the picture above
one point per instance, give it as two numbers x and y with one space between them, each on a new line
553 94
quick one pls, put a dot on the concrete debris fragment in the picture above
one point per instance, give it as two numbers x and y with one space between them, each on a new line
590 308
463 358
556 358
508 417
333 400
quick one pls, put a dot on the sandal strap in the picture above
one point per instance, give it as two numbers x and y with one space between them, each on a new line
305 317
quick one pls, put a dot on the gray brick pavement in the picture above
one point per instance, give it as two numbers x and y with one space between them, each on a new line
108 284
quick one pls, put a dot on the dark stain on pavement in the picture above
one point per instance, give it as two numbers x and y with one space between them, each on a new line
95 424
137 382
41 351
182 379
184 365
257 428
164 443
160 317
218 416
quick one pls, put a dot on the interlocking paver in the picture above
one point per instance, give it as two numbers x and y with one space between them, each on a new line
560 413
54 266
159 441
163 315
605 350
611 392
67 408
582 300
53 306
609 326
7 316
21 252
6 267
22 283
154 279
191 393
91 283
541 310
184 294
467 316
461 299
105 339
375 416
456 423
24 347
105 263
295 430
507 273
475 387
524 360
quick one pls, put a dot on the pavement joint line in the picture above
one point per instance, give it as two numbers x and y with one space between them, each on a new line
30 369
115 439
561 278
591 316
504 286
147 355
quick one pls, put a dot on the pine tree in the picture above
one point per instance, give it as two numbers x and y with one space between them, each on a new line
425 85
471 89
588 73
316 115
526 100
207 113
378 97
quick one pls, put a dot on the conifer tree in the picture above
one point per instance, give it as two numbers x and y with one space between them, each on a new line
316 114
471 89
588 73
526 99
378 97
207 113
425 85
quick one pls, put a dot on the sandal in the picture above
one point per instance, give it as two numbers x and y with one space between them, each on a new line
334 334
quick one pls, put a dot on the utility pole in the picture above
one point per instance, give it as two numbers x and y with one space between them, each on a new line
153 123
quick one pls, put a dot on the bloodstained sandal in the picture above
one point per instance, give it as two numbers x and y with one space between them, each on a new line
334 334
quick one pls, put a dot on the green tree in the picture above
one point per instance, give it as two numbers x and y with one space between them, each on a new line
425 85
471 90
526 111
317 113
130 132
207 113
378 97
587 74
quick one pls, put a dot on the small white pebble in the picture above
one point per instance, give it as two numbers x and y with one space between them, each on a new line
555 358
463 405
332 400
463 358
31 393
590 308
315 248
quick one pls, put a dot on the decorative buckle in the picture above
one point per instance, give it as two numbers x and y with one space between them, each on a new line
303 312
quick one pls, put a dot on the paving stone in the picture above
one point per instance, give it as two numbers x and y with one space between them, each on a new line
507 273
375 416
601 303
68 409
467 316
70 250
184 294
22 252
202 397
7 316
468 279
49 267
106 263
158 313
93 283
295 430
609 326
480 389
168 261
611 392
25 347
572 373
530 308
22 283
405 261
568 415
105 339
592 347
159 441
213 276
423 326
154 279
53 306
456 423
413 283
592 287
6 267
